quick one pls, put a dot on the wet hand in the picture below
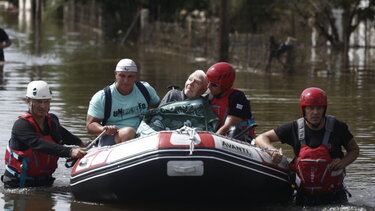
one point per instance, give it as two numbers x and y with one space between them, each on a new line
337 164
276 156
84 143
78 152
110 130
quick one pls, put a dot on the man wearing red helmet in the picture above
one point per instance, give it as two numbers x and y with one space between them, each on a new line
317 140
230 105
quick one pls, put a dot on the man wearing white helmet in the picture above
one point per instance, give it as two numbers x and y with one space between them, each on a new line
118 107
37 141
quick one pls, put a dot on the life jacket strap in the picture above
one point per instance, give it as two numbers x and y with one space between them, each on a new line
16 174
330 122
246 123
14 154
24 166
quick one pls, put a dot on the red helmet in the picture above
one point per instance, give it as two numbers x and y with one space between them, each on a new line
223 74
312 97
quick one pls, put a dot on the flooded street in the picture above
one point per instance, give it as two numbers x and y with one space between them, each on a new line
77 64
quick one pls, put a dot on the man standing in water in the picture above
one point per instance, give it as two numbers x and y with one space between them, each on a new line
317 140
37 142
4 43
118 107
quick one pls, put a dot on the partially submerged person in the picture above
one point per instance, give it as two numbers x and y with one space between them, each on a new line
195 86
4 43
118 107
230 105
37 141
317 140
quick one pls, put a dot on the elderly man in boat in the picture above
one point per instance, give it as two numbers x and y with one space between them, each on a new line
195 86
178 108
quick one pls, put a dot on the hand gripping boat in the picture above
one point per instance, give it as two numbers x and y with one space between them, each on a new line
180 164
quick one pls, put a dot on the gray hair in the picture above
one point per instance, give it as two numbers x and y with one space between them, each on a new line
202 76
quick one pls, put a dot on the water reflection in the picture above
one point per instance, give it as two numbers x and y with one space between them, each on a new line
2 76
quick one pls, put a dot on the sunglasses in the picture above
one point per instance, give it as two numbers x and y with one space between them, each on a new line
214 84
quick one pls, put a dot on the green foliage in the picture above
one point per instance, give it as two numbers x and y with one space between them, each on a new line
251 16
168 11
53 9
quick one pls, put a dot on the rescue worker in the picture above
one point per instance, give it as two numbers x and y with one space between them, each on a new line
37 141
230 105
317 140
118 107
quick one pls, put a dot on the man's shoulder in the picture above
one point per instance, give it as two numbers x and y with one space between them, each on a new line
291 126
340 124
236 93
174 92
144 83
171 96
99 96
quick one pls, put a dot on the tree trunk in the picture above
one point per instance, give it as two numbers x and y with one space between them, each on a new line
224 31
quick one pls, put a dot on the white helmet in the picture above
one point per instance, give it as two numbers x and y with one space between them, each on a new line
38 90
126 65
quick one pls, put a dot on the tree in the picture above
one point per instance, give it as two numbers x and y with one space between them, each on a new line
322 13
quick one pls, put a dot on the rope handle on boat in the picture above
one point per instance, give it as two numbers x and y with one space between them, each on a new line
191 132
71 161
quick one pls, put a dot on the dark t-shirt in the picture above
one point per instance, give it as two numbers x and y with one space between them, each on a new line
173 95
288 133
24 137
239 105
3 35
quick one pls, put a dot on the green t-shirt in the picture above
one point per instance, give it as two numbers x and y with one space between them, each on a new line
126 109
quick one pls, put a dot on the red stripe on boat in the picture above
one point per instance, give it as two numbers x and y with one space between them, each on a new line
207 140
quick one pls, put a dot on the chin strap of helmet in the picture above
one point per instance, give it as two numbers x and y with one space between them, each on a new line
315 126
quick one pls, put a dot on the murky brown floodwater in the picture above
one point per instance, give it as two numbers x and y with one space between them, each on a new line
77 65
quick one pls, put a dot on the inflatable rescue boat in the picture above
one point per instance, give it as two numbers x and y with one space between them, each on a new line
180 165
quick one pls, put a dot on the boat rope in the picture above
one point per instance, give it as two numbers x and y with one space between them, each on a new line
191 133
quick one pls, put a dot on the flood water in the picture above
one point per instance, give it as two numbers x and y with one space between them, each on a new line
77 64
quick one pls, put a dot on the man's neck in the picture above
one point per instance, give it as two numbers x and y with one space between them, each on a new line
317 126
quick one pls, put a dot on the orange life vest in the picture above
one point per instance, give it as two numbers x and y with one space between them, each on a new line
312 165
221 109
31 163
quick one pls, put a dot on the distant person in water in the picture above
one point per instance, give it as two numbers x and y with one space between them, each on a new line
195 86
4 43
37 141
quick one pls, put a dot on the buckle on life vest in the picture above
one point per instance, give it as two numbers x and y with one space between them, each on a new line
24 168
13 154
23 177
